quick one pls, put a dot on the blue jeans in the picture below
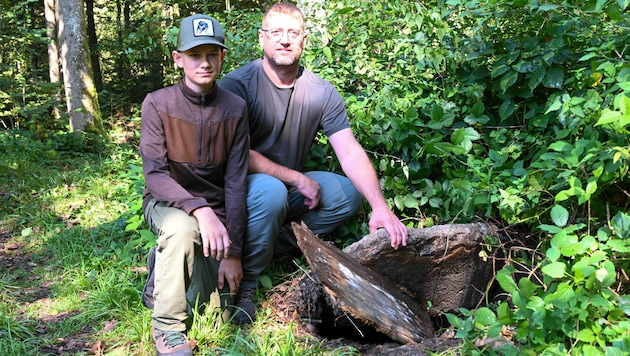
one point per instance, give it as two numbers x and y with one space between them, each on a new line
271 207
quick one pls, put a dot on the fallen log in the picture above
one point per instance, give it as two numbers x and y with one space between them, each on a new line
363 293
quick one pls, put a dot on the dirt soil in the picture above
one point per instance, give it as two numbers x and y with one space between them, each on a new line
287 303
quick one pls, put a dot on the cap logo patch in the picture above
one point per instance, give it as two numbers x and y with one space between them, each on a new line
203 27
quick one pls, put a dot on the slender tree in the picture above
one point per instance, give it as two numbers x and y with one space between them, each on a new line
81 95
93 44
53 51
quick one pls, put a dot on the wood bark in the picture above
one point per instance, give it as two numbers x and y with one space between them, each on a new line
363 293
93 44
81 95
53 51
442 265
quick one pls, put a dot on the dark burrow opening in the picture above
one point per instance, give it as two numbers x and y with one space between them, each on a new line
330 322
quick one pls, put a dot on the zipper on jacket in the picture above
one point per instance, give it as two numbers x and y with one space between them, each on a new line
202 100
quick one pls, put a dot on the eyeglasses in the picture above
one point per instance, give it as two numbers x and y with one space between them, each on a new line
275 34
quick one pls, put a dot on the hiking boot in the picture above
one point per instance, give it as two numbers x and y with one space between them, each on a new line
171 343
244 307
147 292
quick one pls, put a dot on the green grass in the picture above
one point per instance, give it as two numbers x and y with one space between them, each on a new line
77 265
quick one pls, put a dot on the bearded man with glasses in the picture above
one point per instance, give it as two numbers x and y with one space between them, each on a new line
288 105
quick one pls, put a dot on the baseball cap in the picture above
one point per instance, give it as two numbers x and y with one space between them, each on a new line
197 30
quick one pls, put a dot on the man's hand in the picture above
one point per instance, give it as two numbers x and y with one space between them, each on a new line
309 188
385 218
214 237
230 271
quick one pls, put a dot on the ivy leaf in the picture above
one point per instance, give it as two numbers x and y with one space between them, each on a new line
554 269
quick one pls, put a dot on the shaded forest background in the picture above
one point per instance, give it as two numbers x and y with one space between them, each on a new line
511 110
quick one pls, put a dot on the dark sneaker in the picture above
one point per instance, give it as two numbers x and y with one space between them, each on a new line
172 343
147 292
244 307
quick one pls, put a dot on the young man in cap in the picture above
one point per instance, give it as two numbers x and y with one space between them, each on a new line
288 105
194 146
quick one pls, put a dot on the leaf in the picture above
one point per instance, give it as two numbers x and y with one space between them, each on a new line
506 109
457 137
478 109
508 80
621 225
506 281
345 10
586 57
608 117
586 335
328 54
411 113
485 316
554 78
536 78
624 304
559 215
504 314
410 202
561 146
265 281
548 7
454 320
554 269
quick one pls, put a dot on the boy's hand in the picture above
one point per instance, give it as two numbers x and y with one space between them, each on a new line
230 270
214 237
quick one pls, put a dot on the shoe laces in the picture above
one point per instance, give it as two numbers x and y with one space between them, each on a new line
245 294
173 338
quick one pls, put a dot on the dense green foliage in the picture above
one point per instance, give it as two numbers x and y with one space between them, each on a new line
515 110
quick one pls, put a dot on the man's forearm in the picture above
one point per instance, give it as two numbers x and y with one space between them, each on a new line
261 164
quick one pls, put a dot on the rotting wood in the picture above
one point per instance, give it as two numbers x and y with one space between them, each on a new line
441 264
363 293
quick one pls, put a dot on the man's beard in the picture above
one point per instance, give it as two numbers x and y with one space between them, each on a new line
284 61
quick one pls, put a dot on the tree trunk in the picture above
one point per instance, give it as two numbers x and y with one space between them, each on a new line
93 44
53 51
81 96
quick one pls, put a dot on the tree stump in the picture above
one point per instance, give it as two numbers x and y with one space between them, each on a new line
363 293
440 265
